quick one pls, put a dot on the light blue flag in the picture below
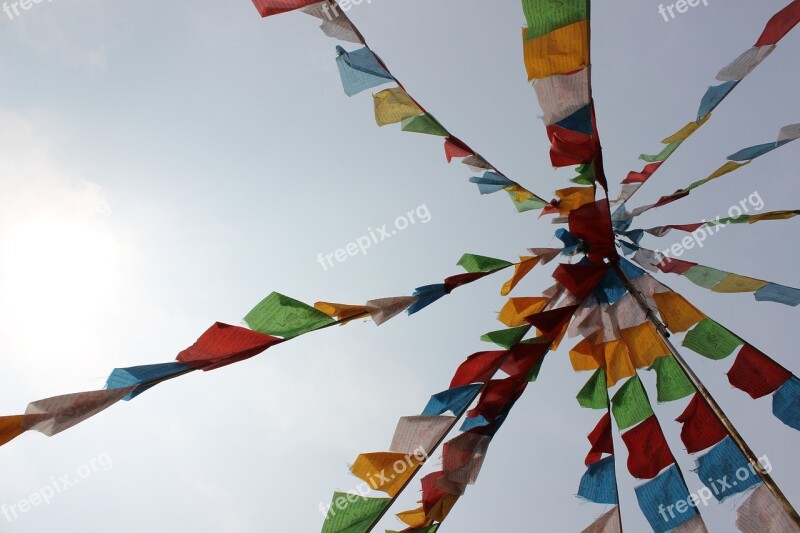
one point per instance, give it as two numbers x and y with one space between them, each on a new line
714 95
455 400
427 295
141 375
599 482
725 471
786 403
746 154
472 423
491 182
781 294
665 501
360 70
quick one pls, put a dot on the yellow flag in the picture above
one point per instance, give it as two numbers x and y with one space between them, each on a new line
414 518
737 283
561 51
515 310
385 471
684 133
521 269
393 106
574 197
677 313
644 344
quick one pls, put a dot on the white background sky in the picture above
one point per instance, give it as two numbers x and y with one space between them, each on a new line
166 165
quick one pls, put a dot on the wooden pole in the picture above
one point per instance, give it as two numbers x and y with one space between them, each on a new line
709 399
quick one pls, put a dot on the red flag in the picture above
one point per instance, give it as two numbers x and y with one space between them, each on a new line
756 374
550 323
601 440
644 175
580 280
453 147
523 359
592 224
222 345
268 8
495 396
701 428
781 24
648 451
478 368
569 147
430 492
453 282
675 266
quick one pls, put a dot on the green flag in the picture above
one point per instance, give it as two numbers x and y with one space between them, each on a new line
629 405
285 317
671 380
711 340
663 155
424 124
506 337
351 513
704 276
544 16
594 395
481 263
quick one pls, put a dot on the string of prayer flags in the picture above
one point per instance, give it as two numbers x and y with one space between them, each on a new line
761 512
661 500
731 75
349 513
661 231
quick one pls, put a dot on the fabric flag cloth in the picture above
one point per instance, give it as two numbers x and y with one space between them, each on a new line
349 513
756 374
222 345
648 451
420 434
599 482
360 70
333 25
343 313
761 513
393 106
285 317
462 457
725 470
661 501
385 471
454 400
594 395
772 292
478 368
12 427
671 381
561 51
62 412
143 377
780 24
630 405
786 403
267 8
608 522
521 269
701 427
710 339
383 309
601 440
544 16
479 263
506 338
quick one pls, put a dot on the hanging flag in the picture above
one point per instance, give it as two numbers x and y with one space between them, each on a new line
350 513
701 427
62 412
656 496
424 124
761 513
561 51
222 345
725 471
630 405
343 313
599 482
393 106
267 8
521 269
710 339
420 433
786 403
594 395
144 377
383 309
601 440
671 381
780 24
676 312
506 338
648 451
333 25
462 457
285 317
756 374
454 400
360 70
385 471
12 427
479 263
478 368
609 522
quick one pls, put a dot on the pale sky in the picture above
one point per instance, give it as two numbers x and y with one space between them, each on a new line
167 165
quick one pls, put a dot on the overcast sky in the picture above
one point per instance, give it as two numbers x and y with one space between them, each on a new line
165 165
